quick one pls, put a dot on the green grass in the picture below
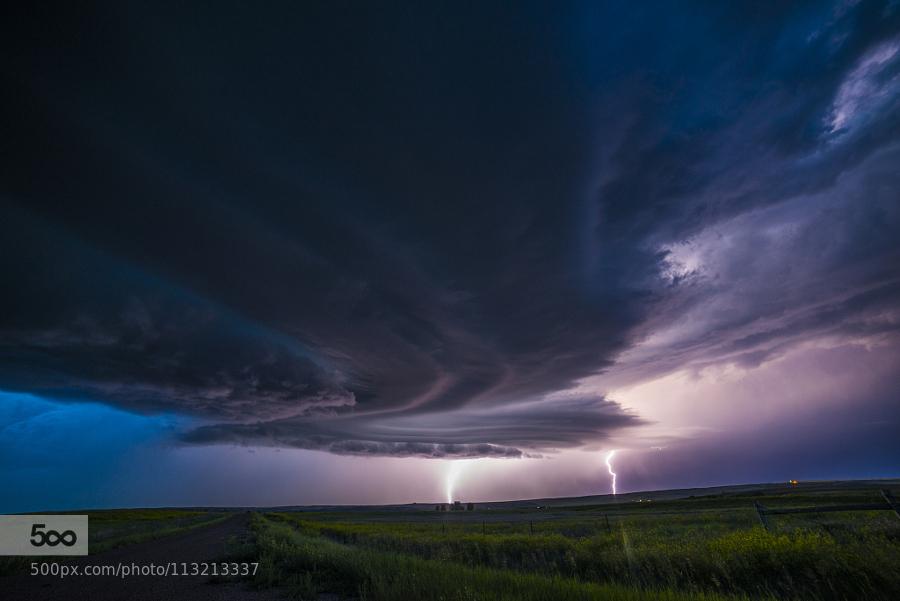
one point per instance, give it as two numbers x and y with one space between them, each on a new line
689 553
704 545
708 547
309 566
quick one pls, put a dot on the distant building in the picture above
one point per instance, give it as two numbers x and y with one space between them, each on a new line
470 506
457 506
440 507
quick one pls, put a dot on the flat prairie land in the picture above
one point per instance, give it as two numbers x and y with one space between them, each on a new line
702 544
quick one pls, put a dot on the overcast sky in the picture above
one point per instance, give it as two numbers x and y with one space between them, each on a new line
276 254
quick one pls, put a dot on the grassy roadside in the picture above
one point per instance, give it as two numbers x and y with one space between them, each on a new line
309 566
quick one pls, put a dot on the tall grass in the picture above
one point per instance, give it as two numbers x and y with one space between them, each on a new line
310 566
668 554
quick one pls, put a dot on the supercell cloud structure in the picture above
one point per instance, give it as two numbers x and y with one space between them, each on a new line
417 233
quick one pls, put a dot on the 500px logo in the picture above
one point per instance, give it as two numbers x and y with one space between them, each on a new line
43 534
51 537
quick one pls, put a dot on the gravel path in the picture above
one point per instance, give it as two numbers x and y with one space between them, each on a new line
197 545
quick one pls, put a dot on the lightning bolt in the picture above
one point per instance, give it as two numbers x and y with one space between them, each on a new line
609 467
453 474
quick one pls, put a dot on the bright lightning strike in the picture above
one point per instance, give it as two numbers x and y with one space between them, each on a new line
453 474
609 467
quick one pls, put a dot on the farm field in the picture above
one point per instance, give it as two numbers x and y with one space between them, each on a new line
646 546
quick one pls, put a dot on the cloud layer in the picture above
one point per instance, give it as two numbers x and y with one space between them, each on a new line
412 233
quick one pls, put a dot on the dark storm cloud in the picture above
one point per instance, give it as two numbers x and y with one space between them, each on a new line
819 266
548 425
78 325
310 436
404 232
772 192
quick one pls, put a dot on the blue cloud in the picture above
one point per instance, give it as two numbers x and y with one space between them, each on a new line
67 454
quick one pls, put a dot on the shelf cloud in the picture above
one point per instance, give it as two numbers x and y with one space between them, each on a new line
366 237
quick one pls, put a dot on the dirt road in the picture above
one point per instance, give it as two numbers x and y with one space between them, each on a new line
198 545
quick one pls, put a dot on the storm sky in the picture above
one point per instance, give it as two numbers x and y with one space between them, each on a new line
282 254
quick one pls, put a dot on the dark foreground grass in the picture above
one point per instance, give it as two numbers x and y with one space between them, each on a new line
850 563
843 557
309 566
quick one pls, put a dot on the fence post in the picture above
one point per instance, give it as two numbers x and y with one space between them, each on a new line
608 529
761 512
889 498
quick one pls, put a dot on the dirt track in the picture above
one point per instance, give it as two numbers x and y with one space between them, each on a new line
199 545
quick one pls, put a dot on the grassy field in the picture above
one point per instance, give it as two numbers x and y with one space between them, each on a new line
697 547
310 567
670 545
